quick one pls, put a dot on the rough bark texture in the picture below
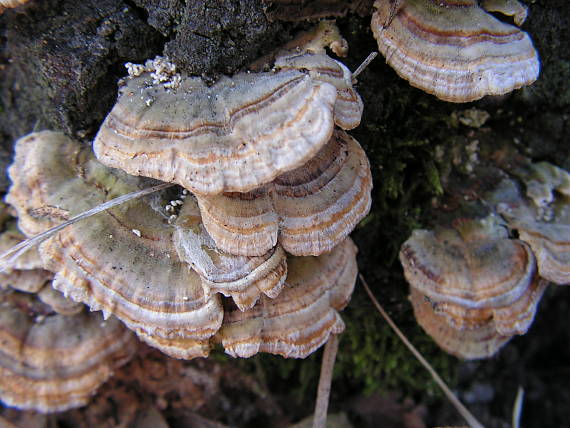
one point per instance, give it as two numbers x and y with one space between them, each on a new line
59 64
208 36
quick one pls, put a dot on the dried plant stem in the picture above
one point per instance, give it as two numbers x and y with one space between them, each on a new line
364 64
463 411
325 381
16 251
517 408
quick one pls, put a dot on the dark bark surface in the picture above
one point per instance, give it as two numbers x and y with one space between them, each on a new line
60 61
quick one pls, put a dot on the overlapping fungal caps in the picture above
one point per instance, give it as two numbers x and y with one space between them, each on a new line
26 274
234 136
480 342
51 362
303 316
348 106
121 261
542 219
307 211
455 50
472 287
242 278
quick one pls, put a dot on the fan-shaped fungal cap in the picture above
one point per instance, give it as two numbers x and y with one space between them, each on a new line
121 261
454 49
514 318
543 222
236 135
303 316
308 210
348 105
243 278
55 362
473 264
480 342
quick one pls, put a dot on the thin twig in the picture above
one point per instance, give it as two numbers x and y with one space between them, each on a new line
469 418
325 381
8 258
517 408
364 64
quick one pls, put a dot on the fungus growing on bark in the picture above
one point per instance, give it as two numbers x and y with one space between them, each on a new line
51 362
480 342
348 105
454 49
130 261
472 287
242 278
101 261
308 210
542 219
58 302
472 264
304 314
238 134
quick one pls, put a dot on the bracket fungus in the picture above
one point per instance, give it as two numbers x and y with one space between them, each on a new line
472 287
308 210
348 105
238 134
242 278
161 277
51 362
473 264
303 316
476 343
121 261
455 50
542 218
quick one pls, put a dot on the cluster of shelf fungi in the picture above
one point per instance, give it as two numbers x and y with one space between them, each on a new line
249 248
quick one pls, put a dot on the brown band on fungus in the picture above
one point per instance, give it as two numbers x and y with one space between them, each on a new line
236 135
55 362
308 210
454 50
121 261
474 264
304 314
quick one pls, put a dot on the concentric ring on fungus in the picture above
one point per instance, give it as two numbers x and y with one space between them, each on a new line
234 136
454 49
480 342
307 211
303 316
121 261
472 287
243 278
52 362
474 264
